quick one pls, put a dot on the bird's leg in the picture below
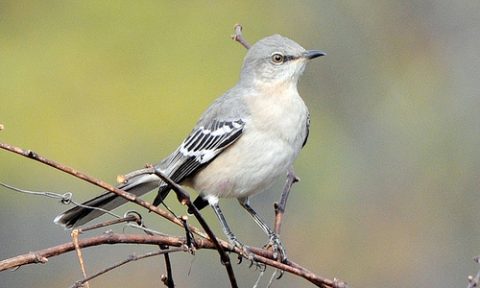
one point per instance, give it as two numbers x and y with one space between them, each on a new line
273 239
226 230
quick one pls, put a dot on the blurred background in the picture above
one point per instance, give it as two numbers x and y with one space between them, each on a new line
390 176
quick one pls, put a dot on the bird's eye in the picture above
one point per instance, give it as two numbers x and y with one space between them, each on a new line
278 58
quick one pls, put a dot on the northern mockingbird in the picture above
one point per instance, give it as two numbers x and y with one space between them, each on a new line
242 143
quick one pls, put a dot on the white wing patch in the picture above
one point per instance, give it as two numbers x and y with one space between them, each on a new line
202 146
204 143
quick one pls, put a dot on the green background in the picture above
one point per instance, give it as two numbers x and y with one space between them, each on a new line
390 176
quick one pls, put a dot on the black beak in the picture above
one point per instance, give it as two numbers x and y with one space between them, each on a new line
310 54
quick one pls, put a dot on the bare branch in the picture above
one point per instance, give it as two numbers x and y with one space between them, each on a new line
280 206
260 255
74 236
168 279
42 256
239 37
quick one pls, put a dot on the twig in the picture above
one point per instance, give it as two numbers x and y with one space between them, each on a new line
168 266
127 218
125 178
188 235
75 240
239 37
121 263
168 279
280 206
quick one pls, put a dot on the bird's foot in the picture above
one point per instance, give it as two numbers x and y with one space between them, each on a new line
276 245
246 253
244 250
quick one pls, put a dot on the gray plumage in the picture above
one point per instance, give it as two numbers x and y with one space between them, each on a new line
243 142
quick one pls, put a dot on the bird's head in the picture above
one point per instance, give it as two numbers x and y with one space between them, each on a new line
276 59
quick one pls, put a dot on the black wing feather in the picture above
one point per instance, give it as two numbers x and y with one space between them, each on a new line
307 126
198 149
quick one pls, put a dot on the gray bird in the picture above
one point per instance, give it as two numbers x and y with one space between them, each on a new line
243 142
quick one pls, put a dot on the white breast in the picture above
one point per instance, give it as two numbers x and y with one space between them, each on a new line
272 138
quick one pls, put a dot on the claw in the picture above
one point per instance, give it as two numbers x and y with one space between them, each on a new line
258 266
240 258
245 251
279 252
247 255
280 275
275 277
262 266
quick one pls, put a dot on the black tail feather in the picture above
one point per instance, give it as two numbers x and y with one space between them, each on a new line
80 215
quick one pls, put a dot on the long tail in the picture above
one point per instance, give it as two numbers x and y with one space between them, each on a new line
80 215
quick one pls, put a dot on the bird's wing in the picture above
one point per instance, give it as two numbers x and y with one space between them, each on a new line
307 126
203 144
